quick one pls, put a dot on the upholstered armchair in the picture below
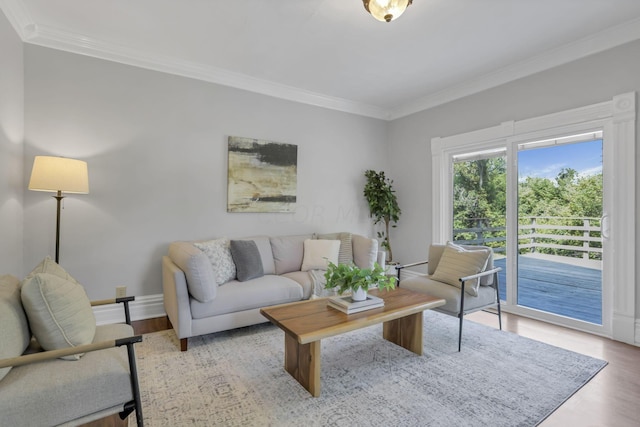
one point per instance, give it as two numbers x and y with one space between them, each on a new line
463 275
48 317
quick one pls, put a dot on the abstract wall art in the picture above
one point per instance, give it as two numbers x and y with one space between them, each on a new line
262 176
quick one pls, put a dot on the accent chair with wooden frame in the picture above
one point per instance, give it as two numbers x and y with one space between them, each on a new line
37 388
464 280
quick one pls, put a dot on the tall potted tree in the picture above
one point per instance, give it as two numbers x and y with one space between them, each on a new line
383 205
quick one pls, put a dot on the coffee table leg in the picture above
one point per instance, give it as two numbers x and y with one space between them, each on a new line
302 361
405 332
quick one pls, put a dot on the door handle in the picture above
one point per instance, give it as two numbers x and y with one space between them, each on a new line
604 230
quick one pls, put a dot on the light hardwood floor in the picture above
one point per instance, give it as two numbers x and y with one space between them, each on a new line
610 399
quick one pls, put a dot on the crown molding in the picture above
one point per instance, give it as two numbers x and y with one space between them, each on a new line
607 39
63 40
19 16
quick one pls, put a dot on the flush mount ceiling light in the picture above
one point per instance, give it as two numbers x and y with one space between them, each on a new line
386 10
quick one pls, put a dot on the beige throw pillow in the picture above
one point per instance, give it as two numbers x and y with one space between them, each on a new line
318 253
47 265
457 262
345 256
59 312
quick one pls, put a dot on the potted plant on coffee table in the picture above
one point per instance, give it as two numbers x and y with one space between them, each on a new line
349 277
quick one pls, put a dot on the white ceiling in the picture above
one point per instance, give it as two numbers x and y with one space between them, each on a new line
331 52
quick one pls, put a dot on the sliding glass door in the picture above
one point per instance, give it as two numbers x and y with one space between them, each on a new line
554 271
560 245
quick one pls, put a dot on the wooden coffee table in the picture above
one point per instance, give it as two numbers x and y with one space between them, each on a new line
305 323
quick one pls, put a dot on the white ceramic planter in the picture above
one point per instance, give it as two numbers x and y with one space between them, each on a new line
359 295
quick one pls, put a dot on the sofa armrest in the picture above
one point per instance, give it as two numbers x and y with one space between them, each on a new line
176 298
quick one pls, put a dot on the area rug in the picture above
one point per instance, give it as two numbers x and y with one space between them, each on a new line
237 378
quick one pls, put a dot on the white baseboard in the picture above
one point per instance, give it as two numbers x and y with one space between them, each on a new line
637 338
144 307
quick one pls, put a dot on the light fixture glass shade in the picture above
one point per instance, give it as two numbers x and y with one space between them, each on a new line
59 174
386 10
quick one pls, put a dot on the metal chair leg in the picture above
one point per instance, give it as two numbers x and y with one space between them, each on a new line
461 316
498 298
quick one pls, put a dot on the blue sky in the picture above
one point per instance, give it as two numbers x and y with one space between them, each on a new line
547 162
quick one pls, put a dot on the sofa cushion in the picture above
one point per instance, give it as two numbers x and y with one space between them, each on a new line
365 251
306 279
457 262
219 254
197 270
288 252
255 293
55 383
59 312
14 329
266 254
318 254
247 259
345 256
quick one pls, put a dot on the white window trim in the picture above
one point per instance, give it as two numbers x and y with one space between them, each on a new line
618 119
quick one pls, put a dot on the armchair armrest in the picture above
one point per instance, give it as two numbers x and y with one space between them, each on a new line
481 274
123 300
413 264
55 354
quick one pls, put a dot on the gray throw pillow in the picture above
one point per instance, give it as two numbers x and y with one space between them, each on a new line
246 257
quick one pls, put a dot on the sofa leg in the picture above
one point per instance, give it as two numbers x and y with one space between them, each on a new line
183 344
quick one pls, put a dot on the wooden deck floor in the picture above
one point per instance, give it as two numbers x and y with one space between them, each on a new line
559 288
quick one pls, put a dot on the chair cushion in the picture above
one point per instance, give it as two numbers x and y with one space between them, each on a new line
14 329
318 254
57 391
457 262
424 284
219 254
197 270
59 312
247 259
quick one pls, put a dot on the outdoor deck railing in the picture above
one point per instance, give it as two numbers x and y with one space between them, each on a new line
577 237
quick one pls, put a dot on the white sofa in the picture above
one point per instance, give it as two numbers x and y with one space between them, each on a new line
197 303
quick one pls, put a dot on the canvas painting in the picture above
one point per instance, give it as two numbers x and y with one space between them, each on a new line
262 176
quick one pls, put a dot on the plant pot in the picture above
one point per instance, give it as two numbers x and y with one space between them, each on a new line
359 294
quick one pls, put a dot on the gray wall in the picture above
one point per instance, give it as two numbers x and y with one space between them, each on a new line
588 81
11 143
156 148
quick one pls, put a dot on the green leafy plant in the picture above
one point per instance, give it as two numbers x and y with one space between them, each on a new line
349 277
383 204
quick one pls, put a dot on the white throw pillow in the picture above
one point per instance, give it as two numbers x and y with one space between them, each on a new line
219 254
59 312
457 262
318 253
